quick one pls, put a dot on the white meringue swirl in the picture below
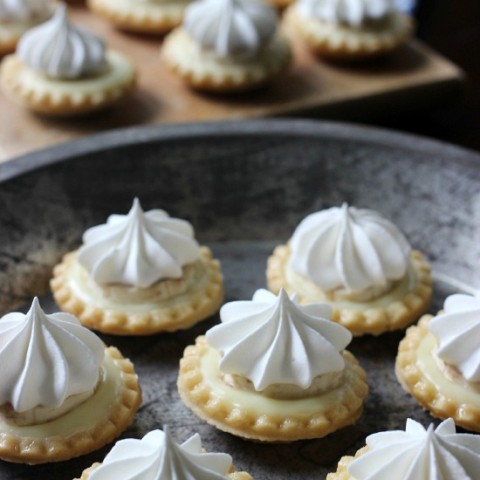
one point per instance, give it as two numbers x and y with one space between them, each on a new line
349 248
157 457
230 27
58 49
419 454
457 330
45 359
273 340
350 12
138 249
24 10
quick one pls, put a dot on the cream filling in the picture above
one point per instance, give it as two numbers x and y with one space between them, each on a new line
260 404
457 389
131 299
79 419
43 414
320 384
119 70
372 298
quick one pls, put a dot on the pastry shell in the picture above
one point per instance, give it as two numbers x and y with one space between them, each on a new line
343 42
204 71
419 372
87 427
343 464
201 300
142 17
253 416
68 97
376 316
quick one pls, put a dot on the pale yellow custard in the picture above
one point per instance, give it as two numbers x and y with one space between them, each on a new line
255 416
120 309
87 427
432 383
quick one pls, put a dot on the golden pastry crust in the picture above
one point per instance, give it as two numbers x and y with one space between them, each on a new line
85 428
344 462
280 4
233 475
343 42
75 292
68 97
256 417
204 71
420 373
392 311
142 17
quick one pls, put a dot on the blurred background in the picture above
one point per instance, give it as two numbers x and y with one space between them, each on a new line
452 27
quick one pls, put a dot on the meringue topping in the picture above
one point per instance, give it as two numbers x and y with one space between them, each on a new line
419 454
287 343
46 359
457 330
230 27
60 50
349 248
156 457
350 12
138 249
24 10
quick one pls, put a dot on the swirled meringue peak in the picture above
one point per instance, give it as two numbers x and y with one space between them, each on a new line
230 27
457 330
157 457
138 249
349 248
350 12
58 49
44 359
24 10
287 343
419 454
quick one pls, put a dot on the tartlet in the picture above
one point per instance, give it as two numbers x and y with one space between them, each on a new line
16 17
355 31
360 263
417 453
115 284
63 393
157 456
77 77
252 377
155 17
227 46
438 362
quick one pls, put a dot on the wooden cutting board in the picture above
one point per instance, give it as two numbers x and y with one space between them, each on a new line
412 77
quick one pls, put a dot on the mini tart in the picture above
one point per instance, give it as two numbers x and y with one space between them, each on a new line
254 416
423 375
205 71
87 427
394 310
233 475
125 310
68 97
344 462
11 32
343 42
152 17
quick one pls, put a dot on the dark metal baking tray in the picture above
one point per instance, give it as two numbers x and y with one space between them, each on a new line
244 186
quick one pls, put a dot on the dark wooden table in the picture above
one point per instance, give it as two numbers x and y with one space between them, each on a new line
453 29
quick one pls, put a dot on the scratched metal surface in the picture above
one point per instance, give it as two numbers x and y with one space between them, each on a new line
244 186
